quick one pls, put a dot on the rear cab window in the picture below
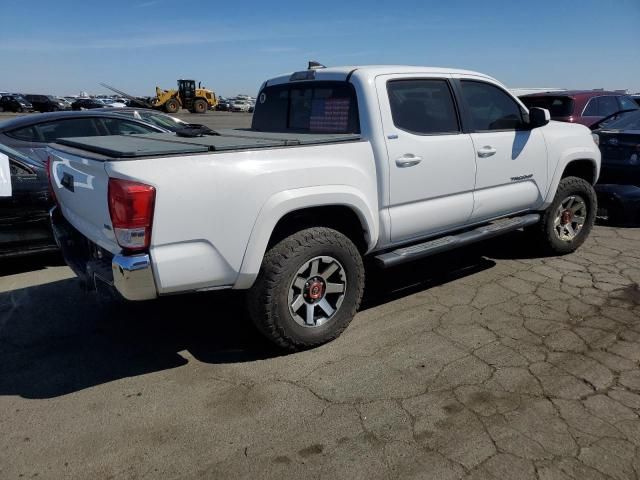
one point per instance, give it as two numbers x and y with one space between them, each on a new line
307 107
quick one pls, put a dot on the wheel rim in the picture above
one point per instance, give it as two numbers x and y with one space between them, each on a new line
317 291
570 217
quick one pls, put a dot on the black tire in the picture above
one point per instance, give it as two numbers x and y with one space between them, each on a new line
268 299
546 233
171 106
200 105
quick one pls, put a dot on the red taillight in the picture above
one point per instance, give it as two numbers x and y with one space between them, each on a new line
131 210
47 166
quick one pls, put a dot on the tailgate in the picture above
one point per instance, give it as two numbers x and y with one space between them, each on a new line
80 185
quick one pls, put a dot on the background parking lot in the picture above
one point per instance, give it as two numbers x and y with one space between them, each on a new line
484 363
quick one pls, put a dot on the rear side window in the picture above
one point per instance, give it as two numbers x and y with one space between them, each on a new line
608 106
422 106
27 134
558 106
601 106
77 127
627 103
309 107
490 107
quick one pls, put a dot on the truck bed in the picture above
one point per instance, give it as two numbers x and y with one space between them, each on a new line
166 144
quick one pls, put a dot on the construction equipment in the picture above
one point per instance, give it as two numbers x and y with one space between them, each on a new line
196 100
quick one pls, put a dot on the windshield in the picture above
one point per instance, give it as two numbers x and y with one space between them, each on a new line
623 121
164 121
307 107
558 106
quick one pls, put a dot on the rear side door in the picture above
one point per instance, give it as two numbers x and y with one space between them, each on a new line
511 158
431 161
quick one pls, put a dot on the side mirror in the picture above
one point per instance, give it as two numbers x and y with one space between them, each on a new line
538 117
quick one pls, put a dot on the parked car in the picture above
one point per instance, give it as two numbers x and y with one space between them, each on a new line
44 103
394 163
580 106
147 115
30 134
14 103
24 217
87 104
223 105
65 102
240 106
618 188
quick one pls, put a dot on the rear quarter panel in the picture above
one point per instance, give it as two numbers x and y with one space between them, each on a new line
208 205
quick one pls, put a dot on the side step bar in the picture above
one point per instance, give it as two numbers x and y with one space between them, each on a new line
442 244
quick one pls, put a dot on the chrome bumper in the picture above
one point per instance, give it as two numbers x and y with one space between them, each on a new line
130 275
133 277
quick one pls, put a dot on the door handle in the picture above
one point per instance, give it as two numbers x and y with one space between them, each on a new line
486 151
408 160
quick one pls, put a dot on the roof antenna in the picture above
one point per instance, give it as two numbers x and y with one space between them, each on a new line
313 65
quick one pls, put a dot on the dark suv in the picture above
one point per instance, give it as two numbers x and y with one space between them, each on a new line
45 103
580 106
14 103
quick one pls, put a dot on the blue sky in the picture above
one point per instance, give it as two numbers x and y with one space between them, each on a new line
64 46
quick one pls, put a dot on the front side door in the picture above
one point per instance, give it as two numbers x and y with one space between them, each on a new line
431 162
511 158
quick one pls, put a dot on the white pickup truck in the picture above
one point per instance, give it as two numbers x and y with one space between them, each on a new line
392 162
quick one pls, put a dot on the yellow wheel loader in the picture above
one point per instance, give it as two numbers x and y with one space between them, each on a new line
196 100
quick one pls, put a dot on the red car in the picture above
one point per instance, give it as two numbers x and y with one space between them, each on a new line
580 106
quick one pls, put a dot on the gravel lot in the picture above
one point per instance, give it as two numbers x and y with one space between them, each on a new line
482 363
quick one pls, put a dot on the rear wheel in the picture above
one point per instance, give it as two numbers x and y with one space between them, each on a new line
566 224
200 105
308 290
171 106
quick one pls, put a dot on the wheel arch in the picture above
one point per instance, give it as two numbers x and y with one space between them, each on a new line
337 206
574 164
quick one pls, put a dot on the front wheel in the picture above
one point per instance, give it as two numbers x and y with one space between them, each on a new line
200 106
308 289
566 224
171 106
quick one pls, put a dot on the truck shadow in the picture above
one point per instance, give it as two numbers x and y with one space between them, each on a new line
55 340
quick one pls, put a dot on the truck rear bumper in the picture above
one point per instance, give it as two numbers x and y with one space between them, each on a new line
130 275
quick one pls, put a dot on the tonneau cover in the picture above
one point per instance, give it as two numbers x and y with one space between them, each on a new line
159 144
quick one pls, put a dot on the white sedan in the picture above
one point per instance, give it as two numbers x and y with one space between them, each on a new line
240 106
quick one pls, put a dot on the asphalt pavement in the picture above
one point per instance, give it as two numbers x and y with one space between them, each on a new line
485 363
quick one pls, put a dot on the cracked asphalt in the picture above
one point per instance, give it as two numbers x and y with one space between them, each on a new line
486 363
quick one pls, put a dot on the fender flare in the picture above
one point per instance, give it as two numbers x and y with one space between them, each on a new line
287 201
568 156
